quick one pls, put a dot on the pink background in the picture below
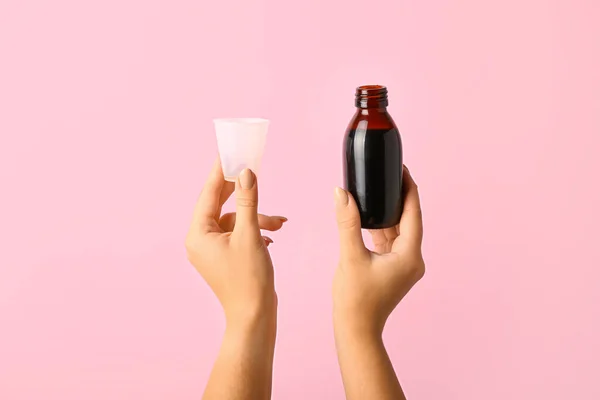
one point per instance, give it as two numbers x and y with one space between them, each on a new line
106 138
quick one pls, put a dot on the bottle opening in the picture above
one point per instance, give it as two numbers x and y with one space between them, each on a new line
371 96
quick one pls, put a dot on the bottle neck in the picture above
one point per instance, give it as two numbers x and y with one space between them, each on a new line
371 97
371 111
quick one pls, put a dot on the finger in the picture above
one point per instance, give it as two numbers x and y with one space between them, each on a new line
379 240
226 192
268 223
411 223
267 240
383 238
209 201
391 233
246 196
348 221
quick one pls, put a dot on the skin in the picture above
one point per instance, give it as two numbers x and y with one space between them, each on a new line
231 255
367 287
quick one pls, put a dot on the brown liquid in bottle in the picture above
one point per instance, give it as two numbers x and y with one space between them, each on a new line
373 160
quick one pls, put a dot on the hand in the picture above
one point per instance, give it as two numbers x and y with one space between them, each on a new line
369 285
229 251
232 256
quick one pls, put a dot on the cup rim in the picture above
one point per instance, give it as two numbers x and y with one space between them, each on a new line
242 121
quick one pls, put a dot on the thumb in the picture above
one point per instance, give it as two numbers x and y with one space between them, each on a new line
246 198
348 221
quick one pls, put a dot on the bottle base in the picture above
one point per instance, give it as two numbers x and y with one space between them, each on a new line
367 225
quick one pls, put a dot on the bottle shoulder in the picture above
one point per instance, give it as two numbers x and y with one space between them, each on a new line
372 120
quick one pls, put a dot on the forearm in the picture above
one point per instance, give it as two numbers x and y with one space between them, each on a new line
244 367
367 371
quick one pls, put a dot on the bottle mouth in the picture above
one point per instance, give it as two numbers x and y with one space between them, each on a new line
371 96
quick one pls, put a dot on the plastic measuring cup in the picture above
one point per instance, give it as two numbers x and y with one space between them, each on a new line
241 143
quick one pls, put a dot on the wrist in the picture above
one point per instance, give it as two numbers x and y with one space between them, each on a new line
352 337
258 335
250 323
357 326
258 321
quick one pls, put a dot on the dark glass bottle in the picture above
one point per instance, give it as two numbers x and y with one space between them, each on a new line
373 160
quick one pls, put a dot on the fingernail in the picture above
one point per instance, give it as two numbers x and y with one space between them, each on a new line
267 240
247 179
283 219
341 197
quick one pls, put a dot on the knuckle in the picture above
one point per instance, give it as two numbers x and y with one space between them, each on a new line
245 240
348 223
419 270
189 242
246 202
354 258
192 244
